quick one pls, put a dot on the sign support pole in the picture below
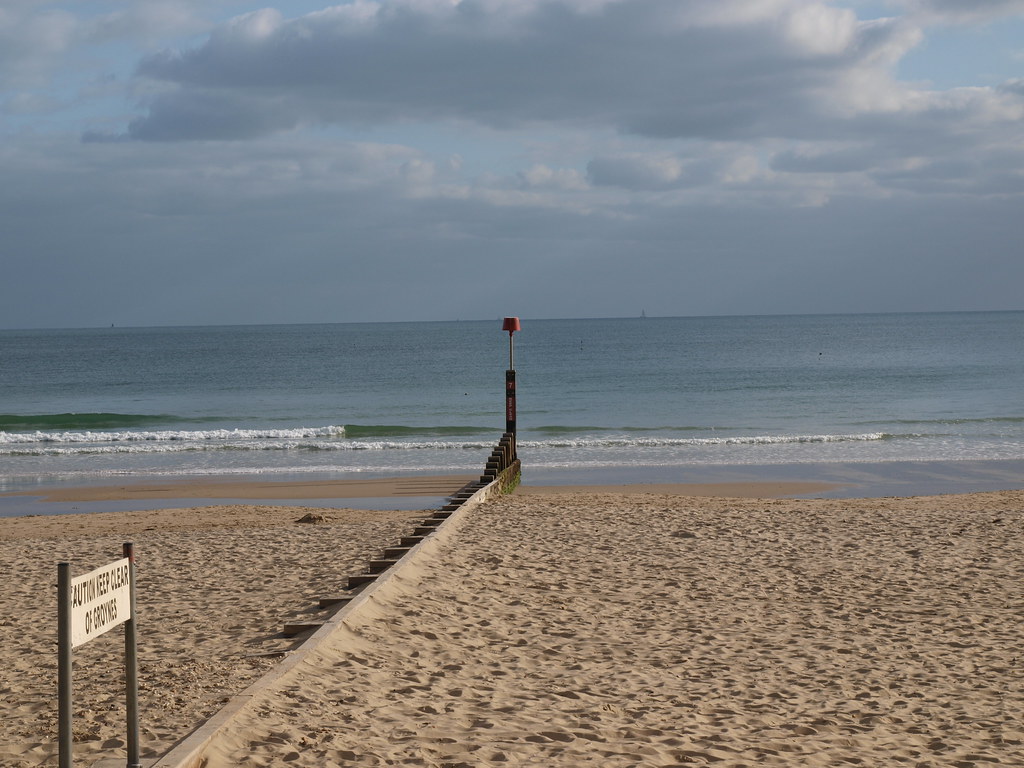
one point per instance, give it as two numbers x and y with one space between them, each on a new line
131 666
88 606
64 735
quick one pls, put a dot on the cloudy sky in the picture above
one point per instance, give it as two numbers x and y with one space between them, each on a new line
170 162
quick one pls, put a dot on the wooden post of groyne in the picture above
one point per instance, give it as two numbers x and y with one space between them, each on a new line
510 324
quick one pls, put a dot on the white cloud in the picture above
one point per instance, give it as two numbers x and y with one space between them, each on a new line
820 30
250 29
542 176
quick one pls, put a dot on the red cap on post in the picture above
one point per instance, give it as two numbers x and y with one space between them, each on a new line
511 324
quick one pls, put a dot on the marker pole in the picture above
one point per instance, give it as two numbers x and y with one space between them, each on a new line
510 324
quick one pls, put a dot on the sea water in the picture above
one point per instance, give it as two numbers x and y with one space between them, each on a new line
619 400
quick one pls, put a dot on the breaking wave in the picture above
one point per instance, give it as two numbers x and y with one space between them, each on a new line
349 438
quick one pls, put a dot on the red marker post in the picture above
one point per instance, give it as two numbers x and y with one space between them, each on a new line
510 324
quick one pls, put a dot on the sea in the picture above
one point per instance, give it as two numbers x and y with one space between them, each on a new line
878 404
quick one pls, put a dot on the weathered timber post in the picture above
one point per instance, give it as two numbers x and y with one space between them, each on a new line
510 324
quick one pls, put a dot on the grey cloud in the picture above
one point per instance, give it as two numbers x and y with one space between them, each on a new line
291 230
846 160
1015 86
652 67
257 232
204 114
996 173
635 172
652 172
956 11
31 44
146 21
686 157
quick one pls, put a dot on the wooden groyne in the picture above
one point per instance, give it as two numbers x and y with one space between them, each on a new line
503 465
501 475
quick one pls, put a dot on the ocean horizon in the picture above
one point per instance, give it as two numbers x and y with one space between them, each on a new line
927 400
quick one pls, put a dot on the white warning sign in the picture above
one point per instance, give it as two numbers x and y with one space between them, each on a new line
100 600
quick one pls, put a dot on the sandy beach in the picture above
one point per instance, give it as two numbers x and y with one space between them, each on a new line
573 628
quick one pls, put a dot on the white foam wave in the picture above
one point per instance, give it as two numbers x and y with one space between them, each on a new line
253 445
313 439
160 436
668 442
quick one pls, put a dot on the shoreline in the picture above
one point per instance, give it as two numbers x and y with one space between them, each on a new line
389 487
224 488
845 480
849 480
386 493
734 490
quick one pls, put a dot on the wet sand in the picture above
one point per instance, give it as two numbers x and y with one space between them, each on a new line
189 488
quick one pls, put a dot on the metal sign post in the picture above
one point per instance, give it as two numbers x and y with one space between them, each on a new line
64 664
131 666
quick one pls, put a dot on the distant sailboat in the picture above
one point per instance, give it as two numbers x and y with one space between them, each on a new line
643 313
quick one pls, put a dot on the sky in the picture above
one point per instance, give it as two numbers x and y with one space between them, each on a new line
198 162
